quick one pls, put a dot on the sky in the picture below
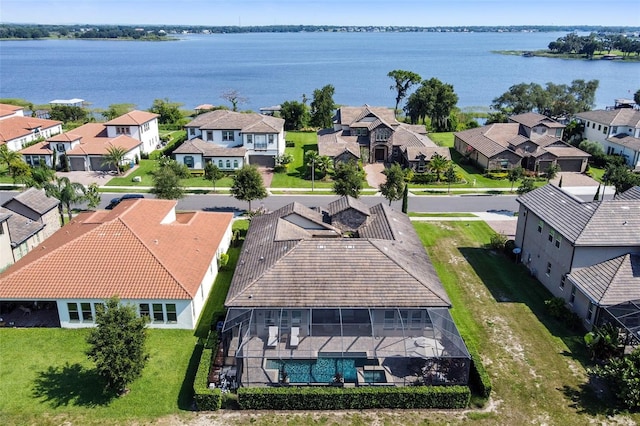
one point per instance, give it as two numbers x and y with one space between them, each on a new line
423 13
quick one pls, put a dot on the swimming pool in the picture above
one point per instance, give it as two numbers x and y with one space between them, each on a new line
321 370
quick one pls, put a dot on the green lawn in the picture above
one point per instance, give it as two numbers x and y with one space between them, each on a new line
48 380
294 178
442 139
413 214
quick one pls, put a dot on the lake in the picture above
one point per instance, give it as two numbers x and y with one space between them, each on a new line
270 68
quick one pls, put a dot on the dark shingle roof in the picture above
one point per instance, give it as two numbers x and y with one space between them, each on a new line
344 203
611 282
36 200
630 194
208 149
388 268
616 117
605 223
21 228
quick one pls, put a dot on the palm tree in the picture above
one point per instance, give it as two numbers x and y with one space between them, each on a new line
323 163
7 156
115 156
66 192
438 164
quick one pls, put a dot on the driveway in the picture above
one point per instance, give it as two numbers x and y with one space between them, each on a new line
375 177
87 178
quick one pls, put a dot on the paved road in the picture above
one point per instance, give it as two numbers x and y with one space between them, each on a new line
430 203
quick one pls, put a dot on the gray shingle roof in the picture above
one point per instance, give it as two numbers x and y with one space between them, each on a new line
388 268
626 140
208 149
244 122
333 144
532 119
616 117
630 194
606 223
611 282
36 200
489 140
20 227
344 203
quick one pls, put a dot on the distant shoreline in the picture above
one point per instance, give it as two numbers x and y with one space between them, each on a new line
617 56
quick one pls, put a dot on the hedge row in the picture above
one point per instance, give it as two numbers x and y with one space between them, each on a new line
479 379
206 399
337 398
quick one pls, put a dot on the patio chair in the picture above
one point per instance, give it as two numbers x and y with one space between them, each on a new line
295 337
273 336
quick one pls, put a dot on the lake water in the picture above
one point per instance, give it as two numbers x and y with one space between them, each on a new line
270 68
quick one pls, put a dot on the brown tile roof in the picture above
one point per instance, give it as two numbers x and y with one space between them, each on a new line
66 137
566 151
532 119
40 148
404 136
489 140
94 140
208 149
133 251
132 118
332 144
611 282
389 268
15 127
348 115
244 122
7 109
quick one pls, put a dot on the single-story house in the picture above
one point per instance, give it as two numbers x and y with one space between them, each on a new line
261 138
347 289
195 153
374 134
532 141
583 252
30 217
143 251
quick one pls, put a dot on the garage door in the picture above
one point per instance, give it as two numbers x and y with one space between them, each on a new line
570 165
262 160
96 165
76 164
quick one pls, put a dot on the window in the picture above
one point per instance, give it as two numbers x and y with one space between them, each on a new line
188 161
404 319
158 314
389 319
551 235
228 164
192 132
235 164
227 135
122 130
249 139
296 318
572 297
271 139
60 147
269 318
599 126
605 130
359 131
558 239
504 164
73 312
590 312
383 134
209 135
540 226
144 311
563 281
614 130
548 268
86 312
416 319
172 316
558 133
220 166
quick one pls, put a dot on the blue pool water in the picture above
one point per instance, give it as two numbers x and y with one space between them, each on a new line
321 370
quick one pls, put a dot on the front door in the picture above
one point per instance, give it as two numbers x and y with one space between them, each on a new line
381 154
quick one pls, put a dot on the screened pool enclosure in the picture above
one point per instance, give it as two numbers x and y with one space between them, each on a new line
357 346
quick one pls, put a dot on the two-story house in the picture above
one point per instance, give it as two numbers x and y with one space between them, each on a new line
231 139
16 130
28 219
86 146
374 135
617 130
530 140
583 252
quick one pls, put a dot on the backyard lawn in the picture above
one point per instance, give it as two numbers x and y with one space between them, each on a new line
294 178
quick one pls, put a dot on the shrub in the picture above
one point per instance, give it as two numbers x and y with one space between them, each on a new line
498 241
479 379
206 399
289 144
339 398
497 175
557 308
424 178
223 259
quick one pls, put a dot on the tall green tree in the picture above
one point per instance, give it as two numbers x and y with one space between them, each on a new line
166 180
405 199
117 344
248 185
435 100
295 114
636 97
552 171
92 196
348 179
169 112
115 156
67 192
322 107
527 185
311 159
393 188
67 113
213 173
403 81
7 156
116 110
438 164
324 166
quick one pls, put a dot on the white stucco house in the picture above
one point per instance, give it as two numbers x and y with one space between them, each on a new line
162 262
140 125
16 130
617 130
231 139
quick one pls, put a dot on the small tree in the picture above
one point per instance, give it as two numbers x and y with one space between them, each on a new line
213 173
438 164
248 185
7 156
393 188
323 164
527 185
92 196
405 199
514 174
282 161
552 171
450 176
166 183
66 192
40 176
20 171
117 344
114 157
403 80
348 179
